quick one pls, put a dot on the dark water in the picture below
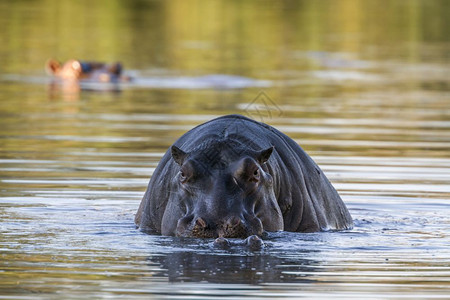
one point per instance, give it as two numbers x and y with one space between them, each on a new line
363 86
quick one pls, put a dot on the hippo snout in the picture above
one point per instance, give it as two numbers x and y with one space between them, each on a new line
203 227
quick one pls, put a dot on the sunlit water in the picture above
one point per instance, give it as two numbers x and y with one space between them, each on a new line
74 164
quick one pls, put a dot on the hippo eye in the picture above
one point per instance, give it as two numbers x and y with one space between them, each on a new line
182 176
186 173
255 176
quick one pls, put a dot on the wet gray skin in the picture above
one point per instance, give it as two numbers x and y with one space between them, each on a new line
233 177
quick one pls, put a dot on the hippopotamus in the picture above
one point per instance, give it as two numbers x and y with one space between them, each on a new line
80 70
234 177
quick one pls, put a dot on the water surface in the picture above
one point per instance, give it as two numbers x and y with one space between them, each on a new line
364 91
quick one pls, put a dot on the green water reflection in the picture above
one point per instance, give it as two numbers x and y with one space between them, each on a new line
251 37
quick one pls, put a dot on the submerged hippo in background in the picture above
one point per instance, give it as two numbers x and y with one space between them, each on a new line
233 177
92 71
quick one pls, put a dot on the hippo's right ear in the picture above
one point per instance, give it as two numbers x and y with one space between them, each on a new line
178 155
115 69
52 66
264 155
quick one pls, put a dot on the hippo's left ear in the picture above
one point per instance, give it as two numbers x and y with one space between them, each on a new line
264 155
178 155
52 66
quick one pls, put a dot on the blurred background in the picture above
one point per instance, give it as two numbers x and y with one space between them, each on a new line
362 86
251 38
363 59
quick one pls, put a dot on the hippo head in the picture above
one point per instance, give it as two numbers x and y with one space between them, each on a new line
222 190
75 69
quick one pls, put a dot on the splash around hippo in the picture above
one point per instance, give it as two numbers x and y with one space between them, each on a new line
233 177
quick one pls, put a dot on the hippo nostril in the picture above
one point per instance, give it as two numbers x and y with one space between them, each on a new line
234 221
200 222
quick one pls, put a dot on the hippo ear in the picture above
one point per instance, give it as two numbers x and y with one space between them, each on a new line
264 155
178 155
115 68
52 66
